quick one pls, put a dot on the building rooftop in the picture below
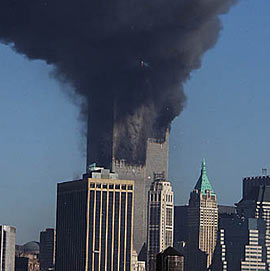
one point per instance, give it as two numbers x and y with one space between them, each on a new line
203 184
170 251
96 172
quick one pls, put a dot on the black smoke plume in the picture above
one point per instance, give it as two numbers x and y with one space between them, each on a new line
129 59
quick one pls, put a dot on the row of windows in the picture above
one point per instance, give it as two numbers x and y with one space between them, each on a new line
111 186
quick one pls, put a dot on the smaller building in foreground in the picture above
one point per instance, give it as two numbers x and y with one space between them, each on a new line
47 250
240 245
98 211
21 264
170 260
7 247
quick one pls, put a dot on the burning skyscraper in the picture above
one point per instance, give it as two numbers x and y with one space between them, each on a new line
128 62
101 150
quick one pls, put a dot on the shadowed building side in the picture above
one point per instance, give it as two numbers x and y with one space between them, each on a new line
71 217
47 250
240 244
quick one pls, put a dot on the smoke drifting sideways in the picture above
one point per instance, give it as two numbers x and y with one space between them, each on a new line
129 59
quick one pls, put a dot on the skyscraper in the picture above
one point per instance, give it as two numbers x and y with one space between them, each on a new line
240 245
7 248
180 226
256 204
101 150
202 223
47 249
95 223
160 219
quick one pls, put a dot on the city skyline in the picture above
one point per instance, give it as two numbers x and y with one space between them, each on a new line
34 158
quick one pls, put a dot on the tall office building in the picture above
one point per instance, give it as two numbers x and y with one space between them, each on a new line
202 224
160 219
95 223
101 145
251 183
47 250
180 225
256 204
7 248
240 245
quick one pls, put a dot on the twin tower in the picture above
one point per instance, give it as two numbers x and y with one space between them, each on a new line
100 138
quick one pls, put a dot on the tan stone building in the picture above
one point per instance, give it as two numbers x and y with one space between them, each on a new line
94 225
202 224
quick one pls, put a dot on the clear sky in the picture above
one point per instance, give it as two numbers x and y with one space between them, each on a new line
226 120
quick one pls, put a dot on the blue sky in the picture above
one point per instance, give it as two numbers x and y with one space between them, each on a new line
225 120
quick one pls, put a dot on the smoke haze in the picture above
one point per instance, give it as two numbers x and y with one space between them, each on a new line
129 59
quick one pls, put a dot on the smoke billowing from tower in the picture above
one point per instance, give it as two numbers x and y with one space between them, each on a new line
129 59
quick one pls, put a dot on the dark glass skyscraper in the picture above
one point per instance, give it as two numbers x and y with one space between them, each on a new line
47 250
95 223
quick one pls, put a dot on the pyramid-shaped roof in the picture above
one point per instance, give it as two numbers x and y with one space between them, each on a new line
203 183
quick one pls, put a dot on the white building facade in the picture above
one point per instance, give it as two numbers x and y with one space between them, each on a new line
160 219
7 248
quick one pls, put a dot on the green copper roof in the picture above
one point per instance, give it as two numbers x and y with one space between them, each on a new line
203 183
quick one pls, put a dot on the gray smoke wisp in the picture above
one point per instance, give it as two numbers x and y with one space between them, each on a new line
130 55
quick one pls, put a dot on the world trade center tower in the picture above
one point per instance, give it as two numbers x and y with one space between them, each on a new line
102 138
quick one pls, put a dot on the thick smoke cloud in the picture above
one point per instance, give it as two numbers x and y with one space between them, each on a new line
132 56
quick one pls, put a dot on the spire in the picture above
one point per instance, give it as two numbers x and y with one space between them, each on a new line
203 171
203 183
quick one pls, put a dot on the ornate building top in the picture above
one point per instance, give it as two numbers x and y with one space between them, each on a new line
203 184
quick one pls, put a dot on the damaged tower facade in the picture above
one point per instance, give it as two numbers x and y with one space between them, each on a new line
101 147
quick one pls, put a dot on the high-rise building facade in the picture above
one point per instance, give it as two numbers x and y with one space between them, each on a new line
160 219
100 150
256 204
95 223
202 224
250 183
47 250
7 248
180 225
240 245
